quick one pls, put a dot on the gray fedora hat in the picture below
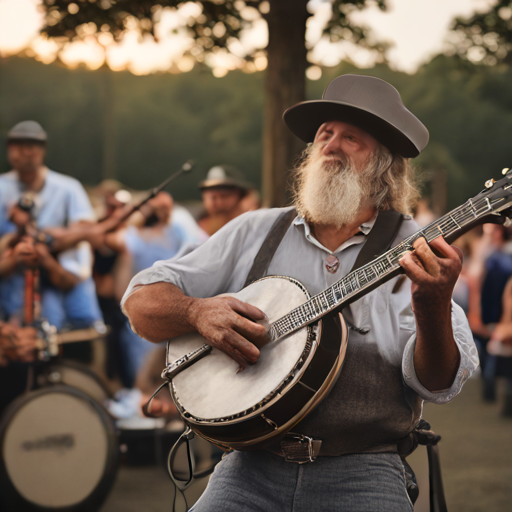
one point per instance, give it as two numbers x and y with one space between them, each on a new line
27 130
225 176
367 102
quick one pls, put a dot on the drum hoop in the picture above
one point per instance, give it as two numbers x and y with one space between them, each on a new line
80 367
100 493
289 381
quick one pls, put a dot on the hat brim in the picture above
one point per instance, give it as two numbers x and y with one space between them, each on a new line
25 139
224 183
305 118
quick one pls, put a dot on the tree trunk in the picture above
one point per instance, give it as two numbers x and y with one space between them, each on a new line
439 191
285 85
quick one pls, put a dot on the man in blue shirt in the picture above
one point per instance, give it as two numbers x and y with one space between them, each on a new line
59 200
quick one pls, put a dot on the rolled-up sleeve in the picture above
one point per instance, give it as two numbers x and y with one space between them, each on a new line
468 361
152 275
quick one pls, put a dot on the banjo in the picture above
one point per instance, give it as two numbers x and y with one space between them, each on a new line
308 339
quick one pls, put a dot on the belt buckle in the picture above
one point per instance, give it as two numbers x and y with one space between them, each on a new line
298 459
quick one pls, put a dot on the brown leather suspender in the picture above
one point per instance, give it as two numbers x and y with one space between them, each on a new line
380 238
269 246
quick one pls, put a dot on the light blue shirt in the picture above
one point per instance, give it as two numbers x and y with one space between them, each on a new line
60 202
147 247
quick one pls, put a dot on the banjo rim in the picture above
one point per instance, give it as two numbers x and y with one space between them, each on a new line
324 390
289 381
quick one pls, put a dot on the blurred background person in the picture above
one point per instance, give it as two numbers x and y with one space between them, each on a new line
113 197
491 313
499 354
67 291
166 230
489 269
225 194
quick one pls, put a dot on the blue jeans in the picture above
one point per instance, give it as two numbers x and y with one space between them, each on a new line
261 481
77 308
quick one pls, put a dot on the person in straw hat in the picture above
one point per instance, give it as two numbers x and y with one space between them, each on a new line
409 342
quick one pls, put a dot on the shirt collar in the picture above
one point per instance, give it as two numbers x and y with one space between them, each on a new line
358 238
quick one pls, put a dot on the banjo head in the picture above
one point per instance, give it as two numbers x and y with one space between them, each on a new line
211 390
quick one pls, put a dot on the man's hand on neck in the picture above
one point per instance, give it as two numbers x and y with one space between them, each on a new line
34 180
332 237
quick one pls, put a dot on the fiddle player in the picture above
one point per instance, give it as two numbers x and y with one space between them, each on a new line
409 342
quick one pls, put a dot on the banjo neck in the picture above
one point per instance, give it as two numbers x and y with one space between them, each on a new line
368 277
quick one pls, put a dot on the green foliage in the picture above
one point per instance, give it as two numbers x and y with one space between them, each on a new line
341 28
160 121
486 37
219 22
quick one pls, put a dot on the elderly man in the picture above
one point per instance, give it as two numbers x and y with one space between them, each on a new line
408 342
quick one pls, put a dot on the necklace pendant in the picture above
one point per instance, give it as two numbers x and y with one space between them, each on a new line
332 263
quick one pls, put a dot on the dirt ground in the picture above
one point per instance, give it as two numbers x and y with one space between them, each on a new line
476 458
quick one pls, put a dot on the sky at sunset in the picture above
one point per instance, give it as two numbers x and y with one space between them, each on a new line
417 29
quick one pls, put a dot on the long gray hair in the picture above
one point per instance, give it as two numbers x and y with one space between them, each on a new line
389 179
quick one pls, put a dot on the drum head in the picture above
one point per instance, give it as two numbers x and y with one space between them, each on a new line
76 375
58 449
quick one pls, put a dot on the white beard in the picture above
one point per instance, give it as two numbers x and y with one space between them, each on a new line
329 191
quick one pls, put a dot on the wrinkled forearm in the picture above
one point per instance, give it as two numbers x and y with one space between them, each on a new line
436 356
159 311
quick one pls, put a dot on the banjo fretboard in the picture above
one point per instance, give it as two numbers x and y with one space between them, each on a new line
374 273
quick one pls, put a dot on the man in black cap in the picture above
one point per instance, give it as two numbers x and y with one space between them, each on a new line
408 342
224 193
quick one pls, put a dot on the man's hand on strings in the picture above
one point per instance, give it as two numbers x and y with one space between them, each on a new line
433 270
230 325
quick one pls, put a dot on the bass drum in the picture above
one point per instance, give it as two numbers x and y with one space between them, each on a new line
76 375
59 451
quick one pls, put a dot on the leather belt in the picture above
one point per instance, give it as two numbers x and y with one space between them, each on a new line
297 448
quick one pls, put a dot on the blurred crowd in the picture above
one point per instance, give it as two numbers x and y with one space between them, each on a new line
484 291
67 256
